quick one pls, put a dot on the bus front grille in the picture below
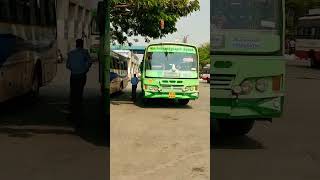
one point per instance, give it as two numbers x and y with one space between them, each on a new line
221 81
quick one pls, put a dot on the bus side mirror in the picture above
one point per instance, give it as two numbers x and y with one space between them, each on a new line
101 17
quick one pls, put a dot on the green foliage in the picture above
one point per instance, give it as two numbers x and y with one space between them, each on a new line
204 54
142 17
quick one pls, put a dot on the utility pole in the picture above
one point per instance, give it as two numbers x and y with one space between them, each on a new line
108 48
104 61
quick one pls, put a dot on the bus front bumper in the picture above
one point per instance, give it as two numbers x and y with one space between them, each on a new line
259 109
165 95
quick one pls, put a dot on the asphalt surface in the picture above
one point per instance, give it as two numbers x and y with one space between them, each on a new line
163 141
38 142
288 148
160 141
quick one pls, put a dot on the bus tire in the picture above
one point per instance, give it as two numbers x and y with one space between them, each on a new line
36 81
312 63
238 127
183 101
313 59
121 86
145 101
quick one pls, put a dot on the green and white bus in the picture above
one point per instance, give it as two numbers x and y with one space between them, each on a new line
247 67
170 71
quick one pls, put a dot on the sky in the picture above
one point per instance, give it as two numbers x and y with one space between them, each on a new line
196 25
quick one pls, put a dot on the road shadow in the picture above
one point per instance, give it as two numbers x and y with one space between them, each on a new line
234 142
121 97
124 97
27 132
23 117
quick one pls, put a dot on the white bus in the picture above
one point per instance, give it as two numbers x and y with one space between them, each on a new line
119 77
28 53
308 38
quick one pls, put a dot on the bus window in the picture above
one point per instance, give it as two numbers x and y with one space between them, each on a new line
22 13
4 10
317 33
313 33
246 14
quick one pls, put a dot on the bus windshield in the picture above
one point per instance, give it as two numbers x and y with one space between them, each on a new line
309 27
165 61
246 26
246 14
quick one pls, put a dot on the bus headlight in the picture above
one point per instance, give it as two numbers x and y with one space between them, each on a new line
246 87
237 89
261 85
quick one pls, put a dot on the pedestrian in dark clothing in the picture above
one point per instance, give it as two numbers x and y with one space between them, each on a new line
78 63
134 82
292 46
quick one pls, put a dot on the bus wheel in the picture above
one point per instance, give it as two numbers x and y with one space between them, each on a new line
313 59
145 101
121 86
312 63
183 101
35 88
238 127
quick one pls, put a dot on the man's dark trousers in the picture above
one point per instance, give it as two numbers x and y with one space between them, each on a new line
134 92
77 83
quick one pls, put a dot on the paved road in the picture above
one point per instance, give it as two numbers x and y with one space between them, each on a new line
287 149
38 143
160 142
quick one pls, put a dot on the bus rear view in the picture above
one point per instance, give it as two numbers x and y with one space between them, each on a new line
170 71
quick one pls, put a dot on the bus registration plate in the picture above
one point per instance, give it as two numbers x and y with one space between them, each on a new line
172 95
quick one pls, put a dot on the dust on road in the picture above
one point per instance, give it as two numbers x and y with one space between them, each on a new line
160 141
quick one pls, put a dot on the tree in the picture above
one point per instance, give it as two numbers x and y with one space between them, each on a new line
204 54
143 17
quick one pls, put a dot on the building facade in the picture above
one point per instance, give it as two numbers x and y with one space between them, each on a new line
73 22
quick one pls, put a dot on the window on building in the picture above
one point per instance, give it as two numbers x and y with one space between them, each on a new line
4 10
19 11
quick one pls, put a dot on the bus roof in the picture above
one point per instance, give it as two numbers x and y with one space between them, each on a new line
312 17
118 55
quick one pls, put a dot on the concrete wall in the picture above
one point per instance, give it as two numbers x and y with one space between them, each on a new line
73 18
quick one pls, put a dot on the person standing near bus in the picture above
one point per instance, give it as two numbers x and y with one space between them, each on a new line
292 46
134 82
78 63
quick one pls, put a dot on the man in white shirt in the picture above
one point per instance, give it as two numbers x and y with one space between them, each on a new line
134 82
